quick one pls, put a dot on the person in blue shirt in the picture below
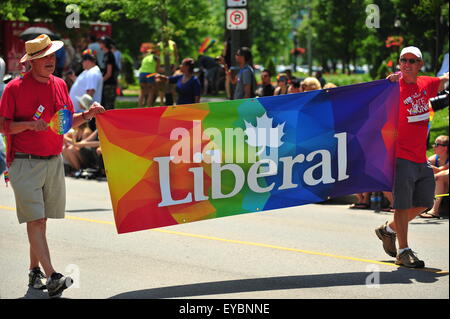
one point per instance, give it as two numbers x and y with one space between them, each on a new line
187 84
244 81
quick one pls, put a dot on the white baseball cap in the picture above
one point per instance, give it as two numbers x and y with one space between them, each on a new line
412 50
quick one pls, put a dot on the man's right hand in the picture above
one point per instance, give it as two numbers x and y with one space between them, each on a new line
38 125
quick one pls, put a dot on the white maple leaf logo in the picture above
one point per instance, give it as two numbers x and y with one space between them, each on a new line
264 135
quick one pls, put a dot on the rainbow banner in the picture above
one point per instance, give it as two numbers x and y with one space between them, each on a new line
206 44
179 164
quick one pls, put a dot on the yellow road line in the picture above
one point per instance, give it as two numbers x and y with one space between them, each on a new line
248 243
7 208
89 220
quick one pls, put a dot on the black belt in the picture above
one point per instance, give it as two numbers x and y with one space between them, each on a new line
30 156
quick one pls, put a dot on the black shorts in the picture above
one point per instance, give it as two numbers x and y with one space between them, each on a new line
413 185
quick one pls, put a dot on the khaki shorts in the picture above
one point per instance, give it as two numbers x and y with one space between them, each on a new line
39 188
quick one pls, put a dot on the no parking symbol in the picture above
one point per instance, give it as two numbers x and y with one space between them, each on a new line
237 19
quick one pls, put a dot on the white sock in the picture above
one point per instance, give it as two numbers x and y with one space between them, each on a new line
402 250
389 230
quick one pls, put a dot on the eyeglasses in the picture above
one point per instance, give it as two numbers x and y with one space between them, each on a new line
411 61
437 144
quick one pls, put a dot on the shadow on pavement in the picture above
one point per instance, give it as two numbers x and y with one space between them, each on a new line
35 294
398 276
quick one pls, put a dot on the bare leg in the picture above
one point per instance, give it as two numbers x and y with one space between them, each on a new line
34 261
400 223
228 87
72 155
365 198
151 96
143 94
441 188
360 197
389 197
38 245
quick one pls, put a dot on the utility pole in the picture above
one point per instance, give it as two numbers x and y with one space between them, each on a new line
237 24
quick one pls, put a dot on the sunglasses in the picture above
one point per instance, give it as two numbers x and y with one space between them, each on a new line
411 61
437 144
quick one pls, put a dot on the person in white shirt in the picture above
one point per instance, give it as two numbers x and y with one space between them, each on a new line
2 74
444 66
90 81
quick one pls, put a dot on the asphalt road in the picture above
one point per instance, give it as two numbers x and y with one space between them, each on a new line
312 251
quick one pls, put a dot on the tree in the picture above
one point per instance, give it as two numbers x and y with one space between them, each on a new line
269 27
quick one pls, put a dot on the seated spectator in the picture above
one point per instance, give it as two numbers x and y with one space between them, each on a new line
389 208
80 149
71 152
363 201
319 77
282 84
289 75
294 87
439 163
310 84
329 85
266 88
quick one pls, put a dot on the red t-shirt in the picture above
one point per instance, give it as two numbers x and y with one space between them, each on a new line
414 117
19 102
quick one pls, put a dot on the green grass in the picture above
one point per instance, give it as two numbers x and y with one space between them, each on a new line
343 79
125 105
439 126
340 79
129 105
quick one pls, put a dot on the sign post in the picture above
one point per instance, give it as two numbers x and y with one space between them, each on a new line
237 24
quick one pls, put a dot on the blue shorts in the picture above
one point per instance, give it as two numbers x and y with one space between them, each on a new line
144 79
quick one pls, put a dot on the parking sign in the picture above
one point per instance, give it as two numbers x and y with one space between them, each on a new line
237 19
236 3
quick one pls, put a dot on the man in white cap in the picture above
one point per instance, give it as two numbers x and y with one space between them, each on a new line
34 153
90 81
414 181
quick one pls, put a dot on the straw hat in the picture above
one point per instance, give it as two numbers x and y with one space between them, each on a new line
40 47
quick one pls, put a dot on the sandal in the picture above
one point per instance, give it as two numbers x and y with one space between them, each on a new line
428 215
388 209
360 206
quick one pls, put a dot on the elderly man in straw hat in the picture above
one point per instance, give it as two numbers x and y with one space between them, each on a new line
34 153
